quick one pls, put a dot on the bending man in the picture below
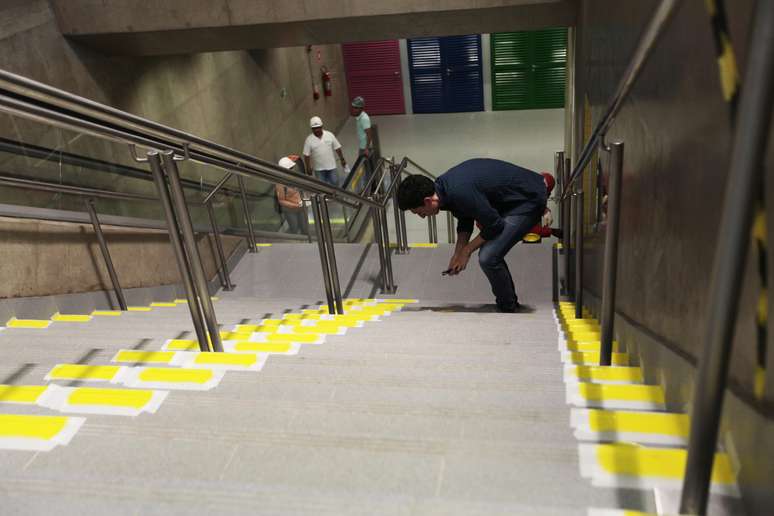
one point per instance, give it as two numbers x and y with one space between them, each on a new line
503 199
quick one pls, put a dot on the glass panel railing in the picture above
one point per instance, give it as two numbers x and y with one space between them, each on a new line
32 151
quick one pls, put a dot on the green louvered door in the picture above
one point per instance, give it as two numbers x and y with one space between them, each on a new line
528 69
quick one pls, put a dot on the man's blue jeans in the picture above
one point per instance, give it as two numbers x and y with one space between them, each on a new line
329 176
491 257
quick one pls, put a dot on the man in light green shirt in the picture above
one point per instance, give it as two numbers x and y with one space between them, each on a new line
364 137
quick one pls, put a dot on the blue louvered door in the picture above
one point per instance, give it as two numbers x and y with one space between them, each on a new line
446 74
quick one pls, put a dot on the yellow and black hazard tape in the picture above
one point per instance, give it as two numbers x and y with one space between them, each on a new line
730 84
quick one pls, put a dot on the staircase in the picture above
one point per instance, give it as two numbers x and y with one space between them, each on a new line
398 407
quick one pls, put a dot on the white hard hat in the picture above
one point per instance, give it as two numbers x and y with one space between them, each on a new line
315 121
287 163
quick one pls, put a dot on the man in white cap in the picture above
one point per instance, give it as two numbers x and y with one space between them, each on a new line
319 148
364 137
290 203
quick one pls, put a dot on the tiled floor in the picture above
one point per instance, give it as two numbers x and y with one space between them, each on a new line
437 142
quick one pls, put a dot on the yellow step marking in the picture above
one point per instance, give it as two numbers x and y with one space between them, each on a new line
417 245
34 427
590 345
252 328
173 375
600 374
301 338
581 336
316 329
128 398
37 433
139 309
263 347
21 393
264 322
164 304
632 465
180 301
70 317
143 357
27 323
592 358
106 313
244 335
83 372
619 396
263 245
661 428
181 345
230 359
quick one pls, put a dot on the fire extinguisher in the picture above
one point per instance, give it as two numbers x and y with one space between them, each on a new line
326 81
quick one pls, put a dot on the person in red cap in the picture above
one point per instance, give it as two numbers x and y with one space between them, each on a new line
506 201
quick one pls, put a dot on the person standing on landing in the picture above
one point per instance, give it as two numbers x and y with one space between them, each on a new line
364 134
503 199
319 148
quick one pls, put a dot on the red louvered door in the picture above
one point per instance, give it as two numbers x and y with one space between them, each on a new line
373 72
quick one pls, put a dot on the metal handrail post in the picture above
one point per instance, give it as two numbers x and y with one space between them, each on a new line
189 241
451 234
746 171
435 228
248 219
183 265
400 243
555 273
567 201
332 267
223 269
379 237
323 249
611 252
579 255
559 176
390 285
404 232
106 254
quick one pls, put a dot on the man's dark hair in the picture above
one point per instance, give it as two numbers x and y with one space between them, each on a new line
413 190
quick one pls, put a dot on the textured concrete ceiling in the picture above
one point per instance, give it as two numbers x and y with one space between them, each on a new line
150 27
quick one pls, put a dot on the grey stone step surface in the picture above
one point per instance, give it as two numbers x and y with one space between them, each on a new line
423 412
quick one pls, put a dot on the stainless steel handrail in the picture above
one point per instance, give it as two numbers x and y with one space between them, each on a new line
34 100
423 170
67 158
31 184
653 31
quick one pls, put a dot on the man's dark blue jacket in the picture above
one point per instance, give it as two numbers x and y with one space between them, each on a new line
485 190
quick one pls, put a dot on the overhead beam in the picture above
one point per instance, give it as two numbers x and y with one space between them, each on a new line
190 26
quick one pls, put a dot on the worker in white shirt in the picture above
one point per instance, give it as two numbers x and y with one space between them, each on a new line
319 149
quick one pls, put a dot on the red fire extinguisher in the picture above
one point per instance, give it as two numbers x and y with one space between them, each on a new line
326 81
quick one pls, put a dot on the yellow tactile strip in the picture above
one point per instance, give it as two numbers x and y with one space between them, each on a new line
200 378
84 400
620 418
36 432
631 465
182 367
643 427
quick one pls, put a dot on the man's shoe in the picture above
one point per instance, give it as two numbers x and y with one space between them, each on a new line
509 309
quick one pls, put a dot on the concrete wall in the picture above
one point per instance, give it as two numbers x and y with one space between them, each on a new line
257 101
677 132
53 258
148 27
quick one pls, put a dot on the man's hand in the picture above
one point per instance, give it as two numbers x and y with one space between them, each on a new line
458 262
